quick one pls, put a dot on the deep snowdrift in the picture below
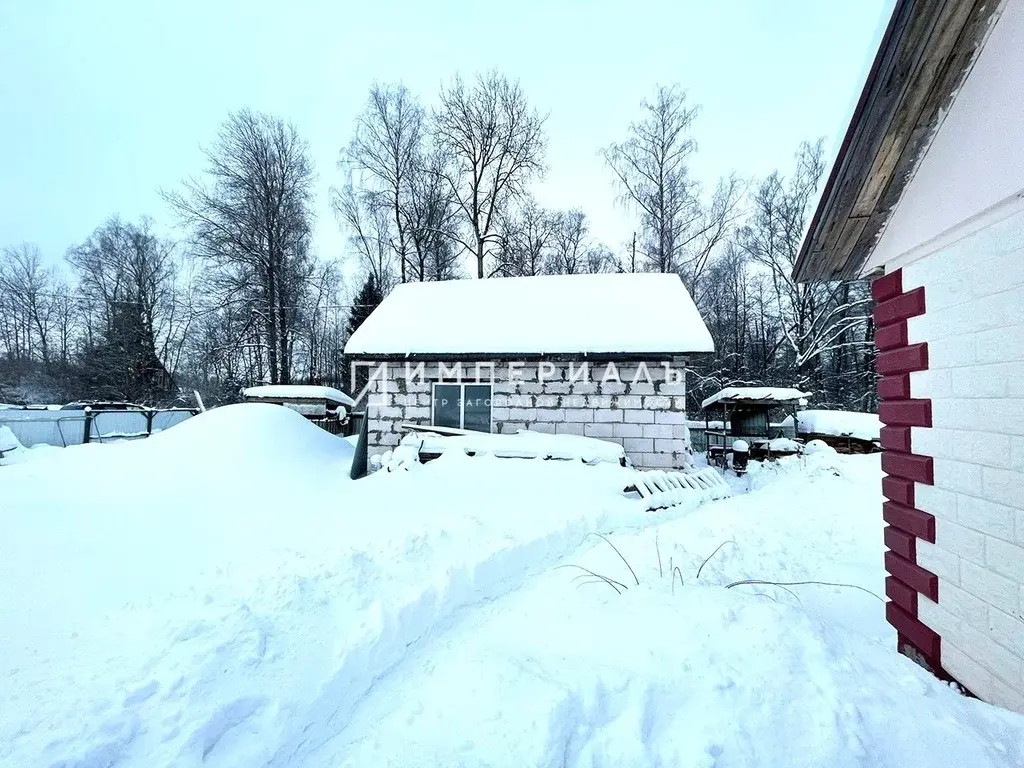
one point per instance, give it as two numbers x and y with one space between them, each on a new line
223 595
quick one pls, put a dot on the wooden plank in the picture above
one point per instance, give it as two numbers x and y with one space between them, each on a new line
931 45
918 20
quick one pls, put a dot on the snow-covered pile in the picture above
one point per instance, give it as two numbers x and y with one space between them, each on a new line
863 426
8 442
222 595
523 444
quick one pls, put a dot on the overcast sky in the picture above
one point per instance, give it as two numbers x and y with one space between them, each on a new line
103 103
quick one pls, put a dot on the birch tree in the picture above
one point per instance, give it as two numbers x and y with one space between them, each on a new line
679 230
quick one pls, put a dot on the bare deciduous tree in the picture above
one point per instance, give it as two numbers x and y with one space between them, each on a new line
497 144
526 239
652 168
251 219
387 147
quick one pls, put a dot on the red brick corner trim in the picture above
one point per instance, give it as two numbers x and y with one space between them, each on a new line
897 358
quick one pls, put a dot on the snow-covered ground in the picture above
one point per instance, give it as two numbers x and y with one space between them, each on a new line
222 594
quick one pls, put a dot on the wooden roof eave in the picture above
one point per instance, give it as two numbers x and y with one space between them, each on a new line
925 55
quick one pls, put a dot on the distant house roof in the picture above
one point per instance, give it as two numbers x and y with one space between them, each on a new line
549 315
759 395
297 392
925 55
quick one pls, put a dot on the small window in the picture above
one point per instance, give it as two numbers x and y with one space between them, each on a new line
462 406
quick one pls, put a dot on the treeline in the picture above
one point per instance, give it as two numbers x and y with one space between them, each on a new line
240 295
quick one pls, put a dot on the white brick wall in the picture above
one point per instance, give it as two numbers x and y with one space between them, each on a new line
974 327
648 419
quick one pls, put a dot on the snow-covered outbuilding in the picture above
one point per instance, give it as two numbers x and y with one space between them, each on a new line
327 407
599 355
926 197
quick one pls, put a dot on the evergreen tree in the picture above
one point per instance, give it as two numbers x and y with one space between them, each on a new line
367 300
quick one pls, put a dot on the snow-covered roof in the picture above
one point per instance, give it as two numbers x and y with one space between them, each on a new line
298 392
551 314
863 426
762 394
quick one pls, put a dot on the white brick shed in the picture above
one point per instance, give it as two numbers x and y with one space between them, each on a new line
599 355
927 198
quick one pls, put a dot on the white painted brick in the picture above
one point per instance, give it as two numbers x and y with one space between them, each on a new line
996 590
557 387
985 516
953 537
628 430
499 414
681 431
1000 344
417 412
550 414
566 428
389 412
932 383
544 426
1020 526
940 561
583 387
664 388
1005 559
1004 663
511 427
962 604
957 413
612 388
529 388
1006 630
979 381
948 352
669 417
600 401
632 402
959 476
658 430
546 401
1017 453
669 446
523 414
658 461
389 439
939 443
941 621
608 415
1003 486
598 430
638 444
988 448
638 416
937 501
579 414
